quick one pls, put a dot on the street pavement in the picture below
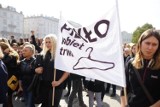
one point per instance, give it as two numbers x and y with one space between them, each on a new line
107 101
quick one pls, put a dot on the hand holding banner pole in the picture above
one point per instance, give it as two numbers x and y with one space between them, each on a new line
53 94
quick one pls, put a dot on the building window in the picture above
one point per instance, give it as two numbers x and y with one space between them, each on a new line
4 14
18 18
18 24
4 21
4 28
18 30
12 16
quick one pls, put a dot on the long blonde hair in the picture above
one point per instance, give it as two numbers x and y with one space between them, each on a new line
4 40
12 52
53 39
138 60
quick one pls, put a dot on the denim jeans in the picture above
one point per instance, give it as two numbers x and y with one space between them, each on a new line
98 98
28 96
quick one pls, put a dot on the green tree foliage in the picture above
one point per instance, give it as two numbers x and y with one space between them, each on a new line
137 33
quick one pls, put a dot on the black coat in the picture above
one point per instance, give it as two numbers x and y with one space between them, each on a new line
75 76
48 69
33 41
95 86
27 71
11 64
151 80
3 82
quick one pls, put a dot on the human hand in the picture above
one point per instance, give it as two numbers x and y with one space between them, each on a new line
156 104
39 70
55 83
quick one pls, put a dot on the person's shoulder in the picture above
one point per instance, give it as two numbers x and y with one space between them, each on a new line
3 66
33 58
1 63
129 61
39 56
22 60
128 64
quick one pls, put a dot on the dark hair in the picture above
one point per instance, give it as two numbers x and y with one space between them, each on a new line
14 44
32 30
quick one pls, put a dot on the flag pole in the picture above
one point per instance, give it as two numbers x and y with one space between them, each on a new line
125 91
54 79
53 94
125 95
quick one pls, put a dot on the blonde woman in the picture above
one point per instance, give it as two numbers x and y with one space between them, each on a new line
10 59
147 64
45 67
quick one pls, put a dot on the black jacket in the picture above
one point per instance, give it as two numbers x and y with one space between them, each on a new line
75 76
48 68
151 80
95 86
33 41
3 82
27 71
11 64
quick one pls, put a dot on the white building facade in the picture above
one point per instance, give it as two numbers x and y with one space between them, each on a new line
11 22
41 25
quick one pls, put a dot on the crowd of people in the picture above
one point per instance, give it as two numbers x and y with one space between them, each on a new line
27 67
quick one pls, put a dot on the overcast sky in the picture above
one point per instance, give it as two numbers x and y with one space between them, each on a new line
133 13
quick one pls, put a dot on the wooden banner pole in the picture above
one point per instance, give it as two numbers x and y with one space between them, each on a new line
53 95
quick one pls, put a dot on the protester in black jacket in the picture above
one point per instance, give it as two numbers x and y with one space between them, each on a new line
51 78
147 64
11 60
26 74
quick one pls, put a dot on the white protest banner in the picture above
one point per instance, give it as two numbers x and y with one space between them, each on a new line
94 51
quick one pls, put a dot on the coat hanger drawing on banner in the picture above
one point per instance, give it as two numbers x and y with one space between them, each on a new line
93 64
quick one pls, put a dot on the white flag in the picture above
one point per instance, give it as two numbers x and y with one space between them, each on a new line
94 51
